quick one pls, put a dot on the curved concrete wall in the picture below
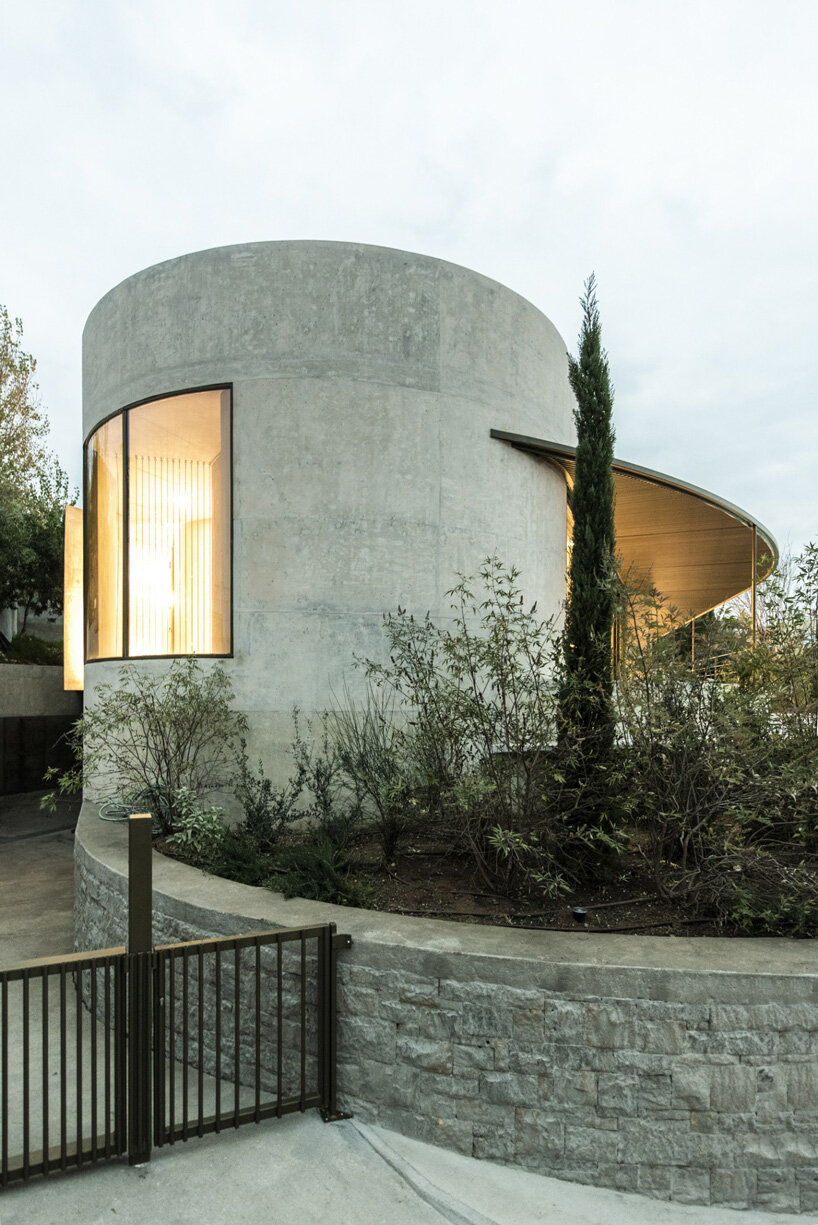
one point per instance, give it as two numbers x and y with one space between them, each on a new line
366 381
684 1069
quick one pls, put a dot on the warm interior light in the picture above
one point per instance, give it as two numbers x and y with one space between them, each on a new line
73 667
172 456
178 525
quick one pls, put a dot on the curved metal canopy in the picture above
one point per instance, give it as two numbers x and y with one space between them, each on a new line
695 548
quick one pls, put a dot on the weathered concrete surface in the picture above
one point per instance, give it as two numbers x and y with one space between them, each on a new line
365 385
36 689
682 1069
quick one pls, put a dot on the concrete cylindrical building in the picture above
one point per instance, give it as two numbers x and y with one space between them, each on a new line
363 384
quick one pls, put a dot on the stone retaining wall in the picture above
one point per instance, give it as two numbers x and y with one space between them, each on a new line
682 1069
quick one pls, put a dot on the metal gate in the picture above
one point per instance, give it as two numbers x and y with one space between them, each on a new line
119 1051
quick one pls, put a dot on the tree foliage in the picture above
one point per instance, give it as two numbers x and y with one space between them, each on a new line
586 700
33 487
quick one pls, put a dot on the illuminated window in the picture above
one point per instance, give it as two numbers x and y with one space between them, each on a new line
165 590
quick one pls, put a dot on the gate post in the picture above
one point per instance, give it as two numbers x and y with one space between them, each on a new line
329 945
140 986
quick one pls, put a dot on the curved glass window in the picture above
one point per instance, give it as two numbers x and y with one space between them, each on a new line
158 529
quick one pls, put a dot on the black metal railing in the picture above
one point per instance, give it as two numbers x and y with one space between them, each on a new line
108 1053
116 1051
62 1063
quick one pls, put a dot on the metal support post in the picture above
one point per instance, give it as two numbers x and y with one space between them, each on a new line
140 987
328 959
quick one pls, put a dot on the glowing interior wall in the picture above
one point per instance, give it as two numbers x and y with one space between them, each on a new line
103 534
72 600
177 554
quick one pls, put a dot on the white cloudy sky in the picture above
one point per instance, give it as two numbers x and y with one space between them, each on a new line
670 146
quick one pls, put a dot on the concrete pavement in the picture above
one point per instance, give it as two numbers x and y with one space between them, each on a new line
294 1171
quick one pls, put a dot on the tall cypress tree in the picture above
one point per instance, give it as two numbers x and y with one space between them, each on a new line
587 695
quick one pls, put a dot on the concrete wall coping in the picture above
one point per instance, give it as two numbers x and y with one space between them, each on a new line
703 969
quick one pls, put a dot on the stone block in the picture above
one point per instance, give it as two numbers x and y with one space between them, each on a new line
691 1087
653 1180
484 1021
690 1186
574 1088
777 1190
590 1144
509 1089
477 1110
732 1089
802 1085
494 1144
540 1134
611 1026
564 1021
654 1092
662 1037
616 1093
733 1188
422 992
424 1053
530 1060
480 1056
527 1025
367 1037
806 1179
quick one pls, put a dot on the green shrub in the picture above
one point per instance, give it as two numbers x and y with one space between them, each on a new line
157 735
320 867
29 649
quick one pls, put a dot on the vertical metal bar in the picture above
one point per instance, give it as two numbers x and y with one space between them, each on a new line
4 1085
331 1025
693 643
171 1048
323 1020
258 1031
329 1012
63 1062
140 850
45 1070
279 1021
78 1014
106 986
157 1030
121 1052
201 1041
93 1061
26 1075
140 1012
185 973
755 569
303 1093
236 1032
218 1038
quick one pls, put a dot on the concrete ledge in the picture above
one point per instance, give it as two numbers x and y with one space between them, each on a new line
686 1069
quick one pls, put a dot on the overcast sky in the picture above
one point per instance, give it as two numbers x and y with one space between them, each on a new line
670 147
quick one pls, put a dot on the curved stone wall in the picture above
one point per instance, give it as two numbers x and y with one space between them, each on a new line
685 1069
366 382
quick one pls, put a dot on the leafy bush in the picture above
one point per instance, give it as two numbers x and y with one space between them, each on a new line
29 649
198 832
320 868
157 735
268 810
